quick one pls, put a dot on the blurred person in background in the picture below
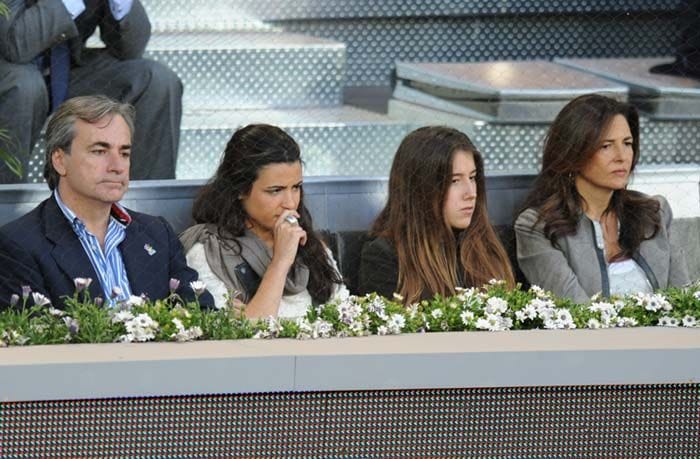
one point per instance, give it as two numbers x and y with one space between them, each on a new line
44 60
687 63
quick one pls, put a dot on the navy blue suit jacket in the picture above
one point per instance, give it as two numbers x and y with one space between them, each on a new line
41 250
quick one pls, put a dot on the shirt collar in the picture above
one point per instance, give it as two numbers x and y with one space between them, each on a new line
117 212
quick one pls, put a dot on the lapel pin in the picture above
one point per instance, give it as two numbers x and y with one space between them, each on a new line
149 249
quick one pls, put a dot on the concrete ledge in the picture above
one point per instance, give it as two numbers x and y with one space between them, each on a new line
436 360
678 183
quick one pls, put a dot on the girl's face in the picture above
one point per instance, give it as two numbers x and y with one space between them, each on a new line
277 189
460 201
610 166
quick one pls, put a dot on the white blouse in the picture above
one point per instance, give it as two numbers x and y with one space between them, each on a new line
627 276
291 306
624 276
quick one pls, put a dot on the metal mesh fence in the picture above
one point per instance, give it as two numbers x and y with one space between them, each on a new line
655 421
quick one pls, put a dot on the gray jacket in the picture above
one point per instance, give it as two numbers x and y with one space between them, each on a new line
578 268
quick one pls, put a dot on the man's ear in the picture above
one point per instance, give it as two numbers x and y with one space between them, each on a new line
58 159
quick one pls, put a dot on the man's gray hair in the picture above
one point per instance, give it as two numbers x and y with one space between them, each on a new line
60 130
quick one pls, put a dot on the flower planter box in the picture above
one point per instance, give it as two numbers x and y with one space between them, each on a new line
566 393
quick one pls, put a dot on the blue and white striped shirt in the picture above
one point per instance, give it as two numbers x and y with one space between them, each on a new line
109 264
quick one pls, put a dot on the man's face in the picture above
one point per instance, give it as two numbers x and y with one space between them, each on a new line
97 169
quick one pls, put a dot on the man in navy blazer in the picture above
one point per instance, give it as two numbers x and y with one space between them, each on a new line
81 231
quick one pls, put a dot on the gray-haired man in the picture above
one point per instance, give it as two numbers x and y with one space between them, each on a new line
82 231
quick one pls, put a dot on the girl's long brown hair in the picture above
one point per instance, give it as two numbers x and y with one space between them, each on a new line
572 140
429 251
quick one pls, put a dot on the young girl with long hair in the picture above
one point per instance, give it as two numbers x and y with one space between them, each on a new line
434 233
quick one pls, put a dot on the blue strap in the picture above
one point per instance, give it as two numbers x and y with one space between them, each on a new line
60 74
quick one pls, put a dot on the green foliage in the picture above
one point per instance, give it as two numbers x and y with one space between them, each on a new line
491 307
226 324
12 163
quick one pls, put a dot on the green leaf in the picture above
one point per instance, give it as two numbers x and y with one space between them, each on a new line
372 313
12 163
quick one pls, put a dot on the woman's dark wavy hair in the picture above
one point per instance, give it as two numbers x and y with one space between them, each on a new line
413 219
249 150
572 140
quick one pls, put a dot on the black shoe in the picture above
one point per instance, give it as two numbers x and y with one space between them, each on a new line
675 69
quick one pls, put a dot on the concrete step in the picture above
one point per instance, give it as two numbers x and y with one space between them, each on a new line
378 33
374 44
206 16
246 70
510 147
501 91
662 97
278 10
505 147
334 141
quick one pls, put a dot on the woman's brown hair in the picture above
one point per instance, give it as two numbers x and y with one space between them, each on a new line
572 140
428 248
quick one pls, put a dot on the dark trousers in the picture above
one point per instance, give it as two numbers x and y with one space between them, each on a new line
688 50
153 89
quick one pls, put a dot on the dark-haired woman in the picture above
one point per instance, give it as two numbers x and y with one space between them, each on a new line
434 233
254 238
583 232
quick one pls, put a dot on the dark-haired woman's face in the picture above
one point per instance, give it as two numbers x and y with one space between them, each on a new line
460 201
610 166
276 190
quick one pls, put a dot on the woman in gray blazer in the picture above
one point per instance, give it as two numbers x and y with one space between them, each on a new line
582 231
